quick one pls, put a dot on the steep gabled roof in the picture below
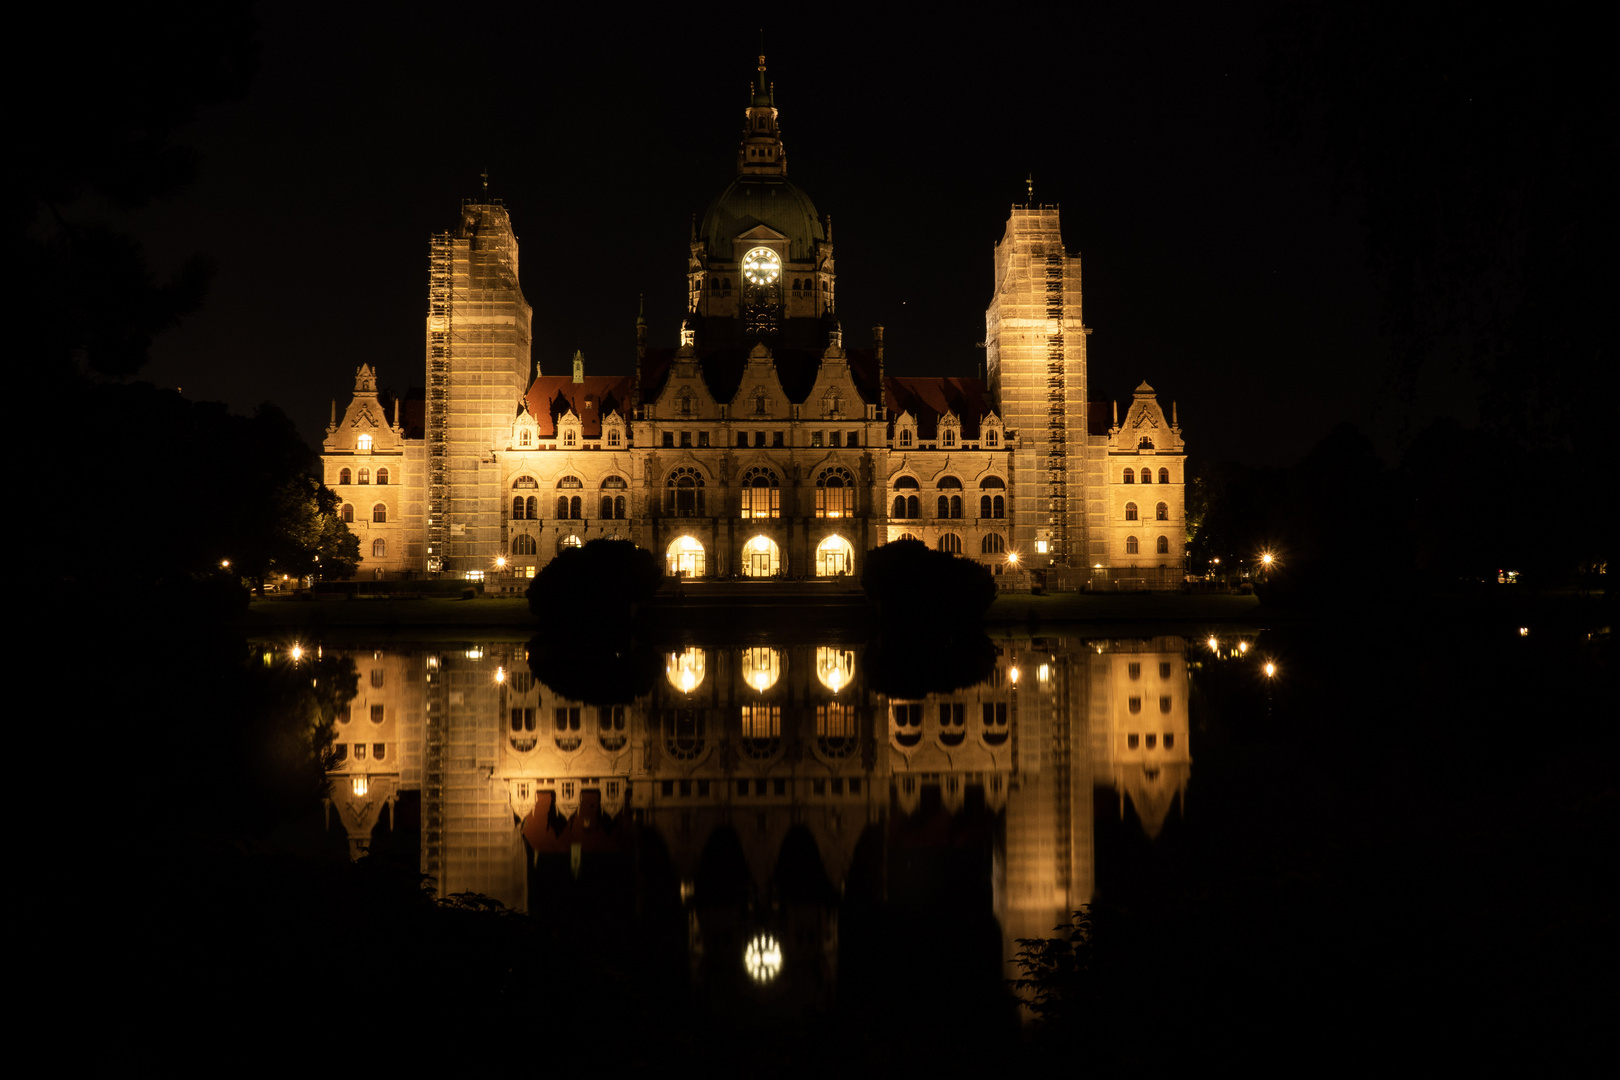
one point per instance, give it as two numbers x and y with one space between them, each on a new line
551 397
930 397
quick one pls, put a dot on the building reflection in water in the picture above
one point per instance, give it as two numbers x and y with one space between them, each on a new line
760 771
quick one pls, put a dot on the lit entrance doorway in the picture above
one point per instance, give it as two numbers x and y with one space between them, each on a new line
834 557
761 558
686 558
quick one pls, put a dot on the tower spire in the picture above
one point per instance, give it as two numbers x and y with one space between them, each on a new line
761 153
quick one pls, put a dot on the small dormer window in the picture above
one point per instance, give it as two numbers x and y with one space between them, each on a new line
990 437
905 436
568 437
950 437
613 437
1145 444
524 438
363 443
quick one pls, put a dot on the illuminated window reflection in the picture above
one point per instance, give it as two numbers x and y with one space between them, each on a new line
834 667
761 667
684 670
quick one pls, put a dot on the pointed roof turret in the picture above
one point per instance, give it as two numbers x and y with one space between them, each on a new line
761 153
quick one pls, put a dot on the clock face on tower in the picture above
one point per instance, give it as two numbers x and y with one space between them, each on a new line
762 266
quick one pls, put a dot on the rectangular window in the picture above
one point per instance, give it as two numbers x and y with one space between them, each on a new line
838 785
1131 740
1164 669
668 440
853 440
379 751
759 438
686 439
377 714
376 677
686 787
780 786
703 787
778 440
1152 741
703 438
759 787
1169 740
834 437
359 751
818 787
742 787
835 720
742 438
666 787
761 721
854 785
815 438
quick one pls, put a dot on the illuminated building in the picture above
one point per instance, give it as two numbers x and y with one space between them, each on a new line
760 444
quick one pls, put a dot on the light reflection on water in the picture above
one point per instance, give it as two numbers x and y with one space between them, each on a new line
767 756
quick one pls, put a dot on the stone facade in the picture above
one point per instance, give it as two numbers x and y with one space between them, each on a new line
760 445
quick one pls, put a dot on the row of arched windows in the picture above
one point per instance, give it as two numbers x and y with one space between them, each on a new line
1147 476
1161 512
379 513
1162 547
364 476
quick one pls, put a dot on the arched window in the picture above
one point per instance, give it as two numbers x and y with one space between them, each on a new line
527 482
992 544
1130 476
363 442
1164 545
615 483
562 507
1147 476
835 492
382 476
905 437
1145 444
619 506
913 507
944 510
990 437
569 483
1130 511
899 507
906 536
348 512
569 541
343 476
1164 476
683 493
523 545
950 437
906 506
607 507
517 508
379 549
524 437
1130 545
1161 513
951 544
365 476
379 513
575 509
761 493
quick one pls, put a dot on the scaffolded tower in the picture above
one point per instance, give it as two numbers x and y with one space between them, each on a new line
478 368
1036 367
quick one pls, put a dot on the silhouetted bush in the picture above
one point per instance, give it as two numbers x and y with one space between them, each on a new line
594 587
916 585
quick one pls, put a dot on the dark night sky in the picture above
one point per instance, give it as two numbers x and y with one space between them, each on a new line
1218 264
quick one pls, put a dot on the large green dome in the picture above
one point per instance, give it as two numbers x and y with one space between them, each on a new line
772 201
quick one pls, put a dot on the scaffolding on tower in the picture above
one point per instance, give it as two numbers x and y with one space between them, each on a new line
1057 411
441 303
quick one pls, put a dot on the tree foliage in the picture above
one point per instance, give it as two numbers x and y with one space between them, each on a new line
593 587
915 584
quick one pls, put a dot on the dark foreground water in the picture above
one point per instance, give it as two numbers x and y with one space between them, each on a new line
799 852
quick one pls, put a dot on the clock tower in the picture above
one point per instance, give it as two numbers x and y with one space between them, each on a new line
761 266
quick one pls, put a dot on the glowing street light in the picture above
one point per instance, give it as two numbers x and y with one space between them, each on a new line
500 674
296 652
1213 643
1012 673
1271 670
